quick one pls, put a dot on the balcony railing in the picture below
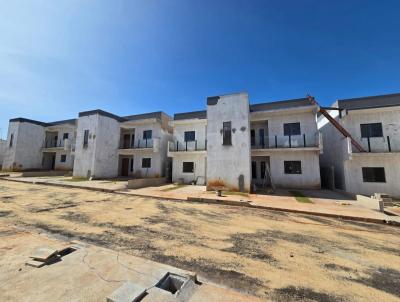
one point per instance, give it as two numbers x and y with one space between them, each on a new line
285 141
53 143
139 144
67 143
188 146
378 144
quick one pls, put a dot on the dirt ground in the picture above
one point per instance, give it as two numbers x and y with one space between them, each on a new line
275 255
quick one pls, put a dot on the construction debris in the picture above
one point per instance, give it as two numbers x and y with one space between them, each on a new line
46 256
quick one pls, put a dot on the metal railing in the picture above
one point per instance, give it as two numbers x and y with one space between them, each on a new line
378 144
188 146
138 144
285 141
53 143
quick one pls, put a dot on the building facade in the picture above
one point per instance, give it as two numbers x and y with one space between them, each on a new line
3 145
374 122
246 147
34 145
109 146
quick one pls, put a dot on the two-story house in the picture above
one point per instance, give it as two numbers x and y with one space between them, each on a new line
188 149
247 147
35 145
108 145
374 123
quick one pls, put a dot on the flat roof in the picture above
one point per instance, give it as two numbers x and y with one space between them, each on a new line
190 115
376 101
286 104
44 124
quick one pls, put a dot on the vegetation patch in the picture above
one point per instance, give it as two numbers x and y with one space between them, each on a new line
300 197
295 294
384 279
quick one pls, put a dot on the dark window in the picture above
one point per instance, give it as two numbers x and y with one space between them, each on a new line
65 136
190 136
11 140
253 137
188 167
227 133
132 140
85 138
291 129
131 168
146 162
371 130
147 134
292 167
253 169
373 174
262 168
261 137
63 158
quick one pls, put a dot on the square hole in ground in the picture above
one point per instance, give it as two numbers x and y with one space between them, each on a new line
171 282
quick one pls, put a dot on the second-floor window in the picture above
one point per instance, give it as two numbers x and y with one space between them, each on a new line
85 138
371 130
65 136
227 133
147 134
190 136
253 137
290 129
11 140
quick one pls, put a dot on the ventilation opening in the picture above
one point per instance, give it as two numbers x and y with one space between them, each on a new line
171 283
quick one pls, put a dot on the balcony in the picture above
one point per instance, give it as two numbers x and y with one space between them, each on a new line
151 144
188 146
385 144
286 142
63 144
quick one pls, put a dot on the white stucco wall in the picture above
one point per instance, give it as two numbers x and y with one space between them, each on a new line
199 174
348 169
308 179
354 178
227 163
388 116
25 152
100 158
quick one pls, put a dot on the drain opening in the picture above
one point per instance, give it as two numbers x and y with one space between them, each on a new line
171 283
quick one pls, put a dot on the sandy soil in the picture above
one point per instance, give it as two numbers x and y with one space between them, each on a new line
276 255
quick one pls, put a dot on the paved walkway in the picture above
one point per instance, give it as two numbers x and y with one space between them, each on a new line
90 273
322 202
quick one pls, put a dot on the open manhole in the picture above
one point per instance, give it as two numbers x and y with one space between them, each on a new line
172 283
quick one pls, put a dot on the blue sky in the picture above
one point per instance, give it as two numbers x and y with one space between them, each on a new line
61 57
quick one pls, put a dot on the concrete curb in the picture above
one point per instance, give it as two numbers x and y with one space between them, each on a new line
218 202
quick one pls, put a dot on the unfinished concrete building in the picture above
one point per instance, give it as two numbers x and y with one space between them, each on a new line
246 147
374 123
108 145
34 145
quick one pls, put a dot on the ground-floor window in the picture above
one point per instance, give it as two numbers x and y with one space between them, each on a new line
63 158
131 166
188 167
292 167
373 174
146 162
